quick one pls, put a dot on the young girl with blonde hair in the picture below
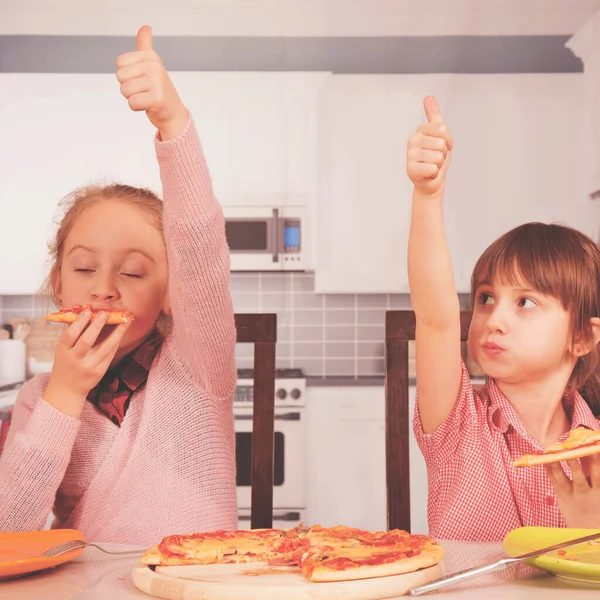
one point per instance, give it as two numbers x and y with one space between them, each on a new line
130 438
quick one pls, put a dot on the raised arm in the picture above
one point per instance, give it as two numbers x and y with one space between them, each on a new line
432 289
203 325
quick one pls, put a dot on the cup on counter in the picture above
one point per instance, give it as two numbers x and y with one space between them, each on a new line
12 362
36 367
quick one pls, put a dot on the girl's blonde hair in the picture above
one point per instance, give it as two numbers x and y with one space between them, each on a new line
75 204
557 261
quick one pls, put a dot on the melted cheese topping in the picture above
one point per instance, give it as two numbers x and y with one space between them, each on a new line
300 546
580 436
207 550
364 552
355 544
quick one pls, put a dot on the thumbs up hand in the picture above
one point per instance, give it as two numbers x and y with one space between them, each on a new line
428 154
147 86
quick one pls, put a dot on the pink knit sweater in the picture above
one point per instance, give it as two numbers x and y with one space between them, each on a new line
170 467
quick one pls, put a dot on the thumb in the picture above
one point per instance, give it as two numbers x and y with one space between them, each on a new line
143 40
432 110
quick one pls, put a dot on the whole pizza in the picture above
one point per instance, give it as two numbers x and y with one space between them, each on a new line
323 554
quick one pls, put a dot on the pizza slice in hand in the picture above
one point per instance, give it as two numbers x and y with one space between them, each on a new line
68 315
580 442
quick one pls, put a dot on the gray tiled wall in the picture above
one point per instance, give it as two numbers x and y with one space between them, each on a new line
323 334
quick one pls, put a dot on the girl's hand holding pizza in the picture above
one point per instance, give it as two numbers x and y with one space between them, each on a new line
147 86
80 362
579 499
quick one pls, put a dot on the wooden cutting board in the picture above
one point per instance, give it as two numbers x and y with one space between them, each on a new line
259 581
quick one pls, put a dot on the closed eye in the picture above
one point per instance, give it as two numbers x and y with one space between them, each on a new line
131 275
84 270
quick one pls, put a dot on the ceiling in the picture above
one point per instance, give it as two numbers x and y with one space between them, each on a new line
296 17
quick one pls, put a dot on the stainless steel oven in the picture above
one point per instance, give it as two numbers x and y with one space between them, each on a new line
289 491
265 238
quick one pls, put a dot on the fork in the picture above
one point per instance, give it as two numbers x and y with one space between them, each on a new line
76 544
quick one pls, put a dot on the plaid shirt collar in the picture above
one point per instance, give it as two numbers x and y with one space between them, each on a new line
503 415
113 393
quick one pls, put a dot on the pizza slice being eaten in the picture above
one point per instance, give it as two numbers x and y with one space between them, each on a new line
68 315
580 442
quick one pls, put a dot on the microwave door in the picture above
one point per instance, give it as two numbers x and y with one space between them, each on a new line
249 236
253 241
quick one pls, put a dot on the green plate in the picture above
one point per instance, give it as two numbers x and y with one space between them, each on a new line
579 563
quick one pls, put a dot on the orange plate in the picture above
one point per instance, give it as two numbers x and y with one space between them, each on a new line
20 553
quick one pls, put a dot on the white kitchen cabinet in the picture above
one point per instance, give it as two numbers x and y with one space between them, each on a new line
346 457
363 203
257 137
585 44
346 460
517 155
259 133
272 128
301 100
517 158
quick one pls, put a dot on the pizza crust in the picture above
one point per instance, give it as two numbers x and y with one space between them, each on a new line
153 557
427 558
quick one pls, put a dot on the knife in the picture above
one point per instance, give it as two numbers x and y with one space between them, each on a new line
503 563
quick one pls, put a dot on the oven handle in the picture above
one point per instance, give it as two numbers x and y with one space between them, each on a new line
291 416
289 516
275 235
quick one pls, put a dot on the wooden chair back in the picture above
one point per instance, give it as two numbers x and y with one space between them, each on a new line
399 330
261 330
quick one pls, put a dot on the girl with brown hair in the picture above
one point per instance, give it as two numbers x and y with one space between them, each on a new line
535 329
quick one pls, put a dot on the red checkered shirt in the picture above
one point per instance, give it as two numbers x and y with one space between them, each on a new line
474 491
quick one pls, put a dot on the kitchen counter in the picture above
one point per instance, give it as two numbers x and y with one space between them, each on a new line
364 381
8 398
345 381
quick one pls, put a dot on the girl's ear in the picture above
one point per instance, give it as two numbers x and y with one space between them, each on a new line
595 325
580 348
57 291
166 307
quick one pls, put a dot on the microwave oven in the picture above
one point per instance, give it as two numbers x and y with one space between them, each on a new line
265 238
